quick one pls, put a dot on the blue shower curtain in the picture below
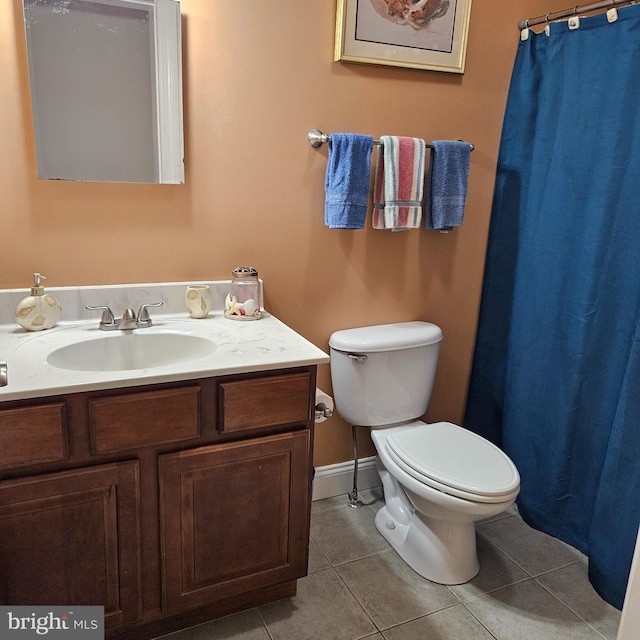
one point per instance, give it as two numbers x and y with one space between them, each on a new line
556 371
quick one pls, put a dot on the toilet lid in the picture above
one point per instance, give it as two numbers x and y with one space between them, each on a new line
454 460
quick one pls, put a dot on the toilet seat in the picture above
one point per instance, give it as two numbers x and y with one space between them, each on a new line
455 461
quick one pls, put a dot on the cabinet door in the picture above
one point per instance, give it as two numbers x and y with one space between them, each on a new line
72 538
234 517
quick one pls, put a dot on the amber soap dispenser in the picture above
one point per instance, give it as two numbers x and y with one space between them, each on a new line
39 310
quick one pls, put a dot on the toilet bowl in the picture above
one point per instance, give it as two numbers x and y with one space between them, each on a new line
438 479
429 522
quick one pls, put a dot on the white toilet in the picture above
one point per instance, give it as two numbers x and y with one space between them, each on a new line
438 479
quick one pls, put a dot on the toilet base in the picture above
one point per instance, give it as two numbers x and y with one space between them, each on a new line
432 531
440 551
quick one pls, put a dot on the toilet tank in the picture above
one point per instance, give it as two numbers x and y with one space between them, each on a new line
384 374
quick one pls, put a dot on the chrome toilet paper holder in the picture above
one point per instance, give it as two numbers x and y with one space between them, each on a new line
322 411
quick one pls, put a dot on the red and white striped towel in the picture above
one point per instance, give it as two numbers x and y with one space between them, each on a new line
399 183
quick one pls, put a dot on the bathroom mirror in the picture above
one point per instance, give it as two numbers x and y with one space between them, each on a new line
106 89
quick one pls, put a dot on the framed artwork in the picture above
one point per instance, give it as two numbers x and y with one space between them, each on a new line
419 34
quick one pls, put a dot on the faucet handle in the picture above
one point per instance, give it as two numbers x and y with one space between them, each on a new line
108 320
144 320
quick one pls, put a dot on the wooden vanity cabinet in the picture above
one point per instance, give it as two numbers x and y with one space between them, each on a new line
240 524
71 538
168 504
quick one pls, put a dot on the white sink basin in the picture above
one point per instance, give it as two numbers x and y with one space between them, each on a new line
119 351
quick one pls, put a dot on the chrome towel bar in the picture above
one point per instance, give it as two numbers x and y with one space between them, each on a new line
317 139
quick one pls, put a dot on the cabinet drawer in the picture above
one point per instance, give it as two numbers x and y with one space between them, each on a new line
142 419
30 435
264 402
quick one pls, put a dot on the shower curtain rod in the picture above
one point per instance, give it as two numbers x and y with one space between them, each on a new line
575 11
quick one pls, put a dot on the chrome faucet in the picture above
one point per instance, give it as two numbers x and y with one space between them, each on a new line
129 319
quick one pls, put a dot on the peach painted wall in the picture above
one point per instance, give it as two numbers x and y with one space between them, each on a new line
256 80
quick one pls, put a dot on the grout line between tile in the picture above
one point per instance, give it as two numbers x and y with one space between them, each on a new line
426 615
379 628
355 597
319 550
487 593
533 575
482 624
502 551
264 624
451 606
564 604
350 560
454 594
546 573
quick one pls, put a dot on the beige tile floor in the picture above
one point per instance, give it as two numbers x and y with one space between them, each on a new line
530 587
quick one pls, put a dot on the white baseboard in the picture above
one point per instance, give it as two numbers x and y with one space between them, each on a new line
337 479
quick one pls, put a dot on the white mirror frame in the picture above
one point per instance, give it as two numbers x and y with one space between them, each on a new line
168 44
169 115
164 16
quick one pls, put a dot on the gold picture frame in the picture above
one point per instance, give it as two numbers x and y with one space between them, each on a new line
394 33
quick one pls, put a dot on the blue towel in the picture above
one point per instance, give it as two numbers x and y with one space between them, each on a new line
347 180
448 178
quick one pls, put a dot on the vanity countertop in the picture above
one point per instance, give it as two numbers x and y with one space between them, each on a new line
241 347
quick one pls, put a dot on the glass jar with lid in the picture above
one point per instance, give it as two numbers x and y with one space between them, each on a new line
243 300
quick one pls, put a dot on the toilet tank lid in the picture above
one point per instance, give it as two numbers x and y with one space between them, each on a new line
386 337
